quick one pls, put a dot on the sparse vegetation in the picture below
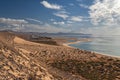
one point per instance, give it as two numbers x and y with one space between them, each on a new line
50 42
32 77
44 40
90 70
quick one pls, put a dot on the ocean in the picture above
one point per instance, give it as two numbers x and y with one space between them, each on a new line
109 45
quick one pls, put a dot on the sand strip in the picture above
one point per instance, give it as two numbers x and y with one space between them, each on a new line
78 41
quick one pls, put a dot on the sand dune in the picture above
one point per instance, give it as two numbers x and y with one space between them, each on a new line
22 41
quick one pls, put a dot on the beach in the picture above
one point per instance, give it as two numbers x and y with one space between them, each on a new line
77 41
86 40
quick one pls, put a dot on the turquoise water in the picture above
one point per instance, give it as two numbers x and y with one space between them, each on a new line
106 44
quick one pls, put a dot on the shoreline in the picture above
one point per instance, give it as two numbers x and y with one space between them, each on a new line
104 54
87 40
67 44
75 42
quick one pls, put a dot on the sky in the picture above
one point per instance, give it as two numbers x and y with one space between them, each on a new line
100 17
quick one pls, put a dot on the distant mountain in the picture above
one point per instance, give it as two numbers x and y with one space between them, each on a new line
61 33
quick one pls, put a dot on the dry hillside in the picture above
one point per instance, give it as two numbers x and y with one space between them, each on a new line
25 60
15 65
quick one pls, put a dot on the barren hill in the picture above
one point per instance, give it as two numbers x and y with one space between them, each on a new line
21 59
15 65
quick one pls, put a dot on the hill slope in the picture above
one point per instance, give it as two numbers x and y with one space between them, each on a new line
25 60
14 64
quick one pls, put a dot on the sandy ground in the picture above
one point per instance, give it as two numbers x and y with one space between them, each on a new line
22 41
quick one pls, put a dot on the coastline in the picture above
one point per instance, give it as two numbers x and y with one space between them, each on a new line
86 40
75 42
104 54
67 44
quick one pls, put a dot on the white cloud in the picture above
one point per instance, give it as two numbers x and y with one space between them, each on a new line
59 23
76 18
35 20
22 25
44 28
51 6
105 12
61 15
12 21
69 22
84 6
98 31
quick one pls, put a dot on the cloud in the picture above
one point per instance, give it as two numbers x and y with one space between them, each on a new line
35 20
61 15
12 21
76 18
12 24
52 19
51 28
51 6
98 31
71 4
59 23
43 28
23 25
79 0
105 12
69 22
84 6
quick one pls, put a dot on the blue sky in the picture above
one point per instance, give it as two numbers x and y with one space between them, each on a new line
86 16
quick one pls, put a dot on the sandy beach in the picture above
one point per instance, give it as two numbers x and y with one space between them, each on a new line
77 41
